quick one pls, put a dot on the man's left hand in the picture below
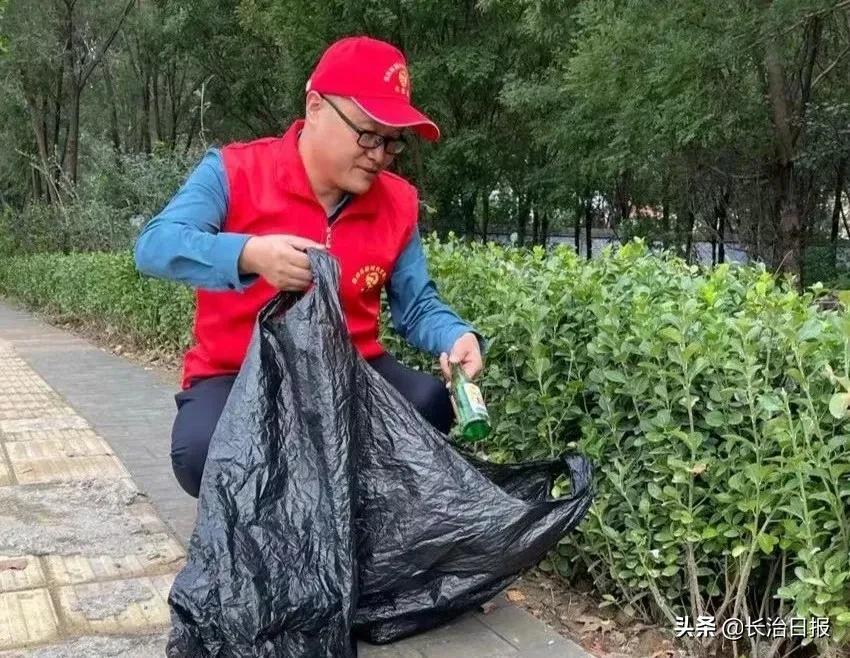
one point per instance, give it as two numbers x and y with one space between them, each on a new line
467 353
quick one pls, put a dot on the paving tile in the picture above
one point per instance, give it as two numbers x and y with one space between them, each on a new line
26 617
58 434
466 632
5 471
31 404
90 646
519 627
136 605
62 461
397 650
164 556
86 519
564 650
68 420
20 572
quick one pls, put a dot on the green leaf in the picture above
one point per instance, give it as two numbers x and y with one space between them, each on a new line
766 542
615 376
770 402
739 550
838 404
513 407
715 418
810 330
671 334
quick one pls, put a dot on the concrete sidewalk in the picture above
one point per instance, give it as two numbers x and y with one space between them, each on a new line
94 525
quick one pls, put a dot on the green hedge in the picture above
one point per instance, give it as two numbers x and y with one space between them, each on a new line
705 397
103 289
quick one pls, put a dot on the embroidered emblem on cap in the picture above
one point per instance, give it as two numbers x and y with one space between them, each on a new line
402 85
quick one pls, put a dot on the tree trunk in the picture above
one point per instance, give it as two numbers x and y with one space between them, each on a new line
535 226
173 106
588 225
57 109
720 212
113 108
836 209
485 213
418 174
689 238
544 227
522 218
153 101
624 206
35 177
73 134
38 128
579 211
179 96
787 258
55 169
467 208
144 123
190 136
714 242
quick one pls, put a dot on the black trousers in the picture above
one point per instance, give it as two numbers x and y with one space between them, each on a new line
199 407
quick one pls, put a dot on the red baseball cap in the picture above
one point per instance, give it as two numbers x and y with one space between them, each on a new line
374 75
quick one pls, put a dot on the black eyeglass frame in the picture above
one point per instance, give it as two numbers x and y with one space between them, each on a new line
369 139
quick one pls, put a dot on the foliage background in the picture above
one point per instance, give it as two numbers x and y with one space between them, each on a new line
712 401
727 121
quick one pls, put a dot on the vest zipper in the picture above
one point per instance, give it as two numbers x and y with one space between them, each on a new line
327 236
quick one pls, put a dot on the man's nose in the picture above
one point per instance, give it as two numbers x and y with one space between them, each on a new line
378 154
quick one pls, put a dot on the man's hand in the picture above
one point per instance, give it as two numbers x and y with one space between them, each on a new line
467 353
279 259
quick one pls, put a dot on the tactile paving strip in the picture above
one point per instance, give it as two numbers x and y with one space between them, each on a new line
26 618
62 461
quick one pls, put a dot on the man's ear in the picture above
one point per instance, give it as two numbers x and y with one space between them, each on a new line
313 104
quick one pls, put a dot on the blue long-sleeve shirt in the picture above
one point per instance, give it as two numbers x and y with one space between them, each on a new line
184 242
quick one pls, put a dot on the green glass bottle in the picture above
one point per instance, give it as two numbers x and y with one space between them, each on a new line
471 412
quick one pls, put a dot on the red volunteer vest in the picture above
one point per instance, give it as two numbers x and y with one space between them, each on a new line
269 192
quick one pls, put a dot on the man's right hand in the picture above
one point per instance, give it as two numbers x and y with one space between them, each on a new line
279 259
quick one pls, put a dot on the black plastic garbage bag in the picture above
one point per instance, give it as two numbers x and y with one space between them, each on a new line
329 508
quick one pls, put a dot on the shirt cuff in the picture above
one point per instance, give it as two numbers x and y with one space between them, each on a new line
459 331
225 254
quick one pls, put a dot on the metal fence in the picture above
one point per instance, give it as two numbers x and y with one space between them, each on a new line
701 249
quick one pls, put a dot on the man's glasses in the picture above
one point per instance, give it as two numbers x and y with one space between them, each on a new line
369 139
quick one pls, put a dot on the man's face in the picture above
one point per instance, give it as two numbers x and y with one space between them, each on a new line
345 164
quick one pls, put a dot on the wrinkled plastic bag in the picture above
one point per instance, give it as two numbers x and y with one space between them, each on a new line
329 508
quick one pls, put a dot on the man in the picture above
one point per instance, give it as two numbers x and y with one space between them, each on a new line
239 227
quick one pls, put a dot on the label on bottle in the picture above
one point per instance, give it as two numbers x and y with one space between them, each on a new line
476 400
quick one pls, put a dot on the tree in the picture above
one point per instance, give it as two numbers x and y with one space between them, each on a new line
54 47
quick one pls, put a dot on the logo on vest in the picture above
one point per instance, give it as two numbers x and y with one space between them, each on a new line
368 277
402 85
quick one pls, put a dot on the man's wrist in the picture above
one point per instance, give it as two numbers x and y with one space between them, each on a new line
245 264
